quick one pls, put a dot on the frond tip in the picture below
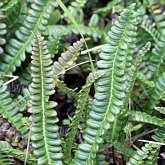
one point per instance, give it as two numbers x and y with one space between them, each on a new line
45 138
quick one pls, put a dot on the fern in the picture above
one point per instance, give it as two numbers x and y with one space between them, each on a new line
12 11
37 17
157 57
109 88
149 28
45 138
138 157
10 111
69 29
5 148
2 39
144 117
62 86
82 99
67 58
123 149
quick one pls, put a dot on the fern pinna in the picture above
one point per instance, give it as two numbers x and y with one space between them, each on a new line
45 138
110 88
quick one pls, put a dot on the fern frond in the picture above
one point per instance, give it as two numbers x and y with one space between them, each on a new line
82 100
158 16
100 157
157 57
156 93
69 29
127 151
132 74
53 43
10 111
62 86
145 118
25 76
37 17
109 91
160 110
150 28
139 156
45 137
144 81
67 58
12 11
5 159
16 153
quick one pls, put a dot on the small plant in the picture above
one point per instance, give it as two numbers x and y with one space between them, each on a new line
119 51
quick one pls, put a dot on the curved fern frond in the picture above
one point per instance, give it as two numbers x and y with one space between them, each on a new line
82 100
100 157
45 138
69 29
139 156
10 111
37 17
110 87
145 118
67 58
15 153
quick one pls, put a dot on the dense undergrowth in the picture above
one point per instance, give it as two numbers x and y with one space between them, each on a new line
82 82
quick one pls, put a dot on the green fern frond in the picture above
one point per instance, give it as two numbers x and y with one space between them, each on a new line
37 17
160 110
16 153
157 57
53 43
5 159
139 156
156 93
25 76
12 11
145 118
62 86
82 100
132 74
100 157
149 27
158 15
45 138
109 91
127 151
67 58
10 111
69 29
144 81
